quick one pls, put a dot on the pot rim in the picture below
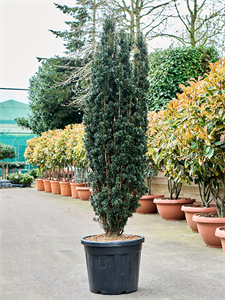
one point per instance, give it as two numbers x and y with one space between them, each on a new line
187 208
151 196
111 244
64 182
83 188
220 233
216 220
76 183
173 201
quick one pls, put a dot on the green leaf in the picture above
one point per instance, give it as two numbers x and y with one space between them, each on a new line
209 152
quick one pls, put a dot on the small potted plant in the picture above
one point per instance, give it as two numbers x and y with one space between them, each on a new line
115 120
26 180
15 179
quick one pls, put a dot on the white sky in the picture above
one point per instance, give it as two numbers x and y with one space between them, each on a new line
24 31
24 28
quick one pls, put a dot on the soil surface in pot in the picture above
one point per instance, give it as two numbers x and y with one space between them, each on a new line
208 215
193 205
103 238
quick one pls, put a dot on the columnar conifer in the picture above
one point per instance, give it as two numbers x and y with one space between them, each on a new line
115 127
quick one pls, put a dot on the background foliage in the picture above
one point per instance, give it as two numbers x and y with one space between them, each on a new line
171 67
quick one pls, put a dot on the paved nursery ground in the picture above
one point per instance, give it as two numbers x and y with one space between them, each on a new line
42 257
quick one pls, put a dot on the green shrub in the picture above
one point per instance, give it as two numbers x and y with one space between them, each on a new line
26 179
172 67
18 178
17 165
34 173
15 178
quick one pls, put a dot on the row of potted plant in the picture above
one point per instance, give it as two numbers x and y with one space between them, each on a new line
187 141
74 189
56 153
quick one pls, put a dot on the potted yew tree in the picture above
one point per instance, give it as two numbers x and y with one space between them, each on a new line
115 120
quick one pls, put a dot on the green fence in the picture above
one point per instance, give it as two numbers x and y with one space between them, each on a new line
19 141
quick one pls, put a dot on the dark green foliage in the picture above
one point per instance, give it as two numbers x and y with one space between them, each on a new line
49 101
7 152
20 178
34 173
14 165
115 121
172 67
75 38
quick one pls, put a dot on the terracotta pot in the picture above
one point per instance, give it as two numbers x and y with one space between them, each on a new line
84 193
55 187
65 188
190 210
40 185
74 190
47 186
147 204
170 209
207 228
220 232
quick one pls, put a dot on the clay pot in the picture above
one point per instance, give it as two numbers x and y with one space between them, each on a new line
147 204
220 232
40 185
74 190
47 186
84 193
190 210
170 209
55 187
65 188
207 228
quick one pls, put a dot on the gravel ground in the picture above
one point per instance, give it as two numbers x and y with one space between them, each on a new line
41 257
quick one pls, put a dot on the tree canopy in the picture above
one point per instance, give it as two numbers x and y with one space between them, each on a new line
198 22
49 102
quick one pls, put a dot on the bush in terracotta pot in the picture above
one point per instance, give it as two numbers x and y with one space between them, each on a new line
163 150
199 130
115 120
76 153
35 156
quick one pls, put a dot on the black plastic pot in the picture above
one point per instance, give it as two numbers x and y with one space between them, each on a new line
26 185
15 185
113 267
